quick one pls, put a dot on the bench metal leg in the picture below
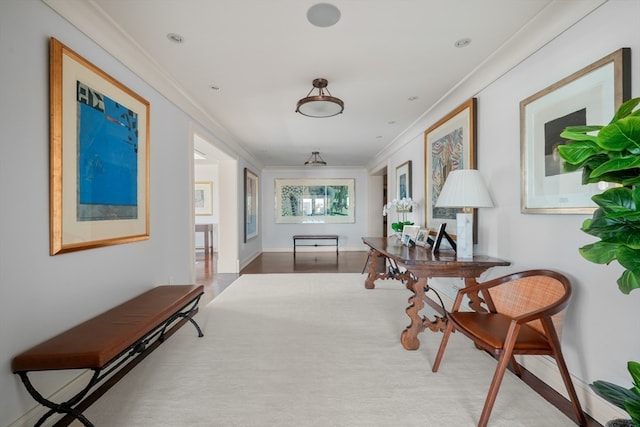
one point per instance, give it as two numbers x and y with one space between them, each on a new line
64 407
186 314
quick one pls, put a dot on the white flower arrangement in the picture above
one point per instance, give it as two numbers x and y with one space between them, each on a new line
402 207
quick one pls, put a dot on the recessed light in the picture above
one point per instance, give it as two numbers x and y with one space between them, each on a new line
176 38
323 15
463 42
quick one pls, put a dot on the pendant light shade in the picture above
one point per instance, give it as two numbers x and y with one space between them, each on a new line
320 105
315 160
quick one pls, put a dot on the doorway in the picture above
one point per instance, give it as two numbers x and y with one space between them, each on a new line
218 171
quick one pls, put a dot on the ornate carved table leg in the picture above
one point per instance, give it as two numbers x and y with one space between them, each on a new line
475 301
373 267
409 337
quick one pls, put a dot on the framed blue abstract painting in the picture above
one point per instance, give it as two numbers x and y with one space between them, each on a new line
99 165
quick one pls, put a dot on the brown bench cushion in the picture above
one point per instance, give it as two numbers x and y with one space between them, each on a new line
94 343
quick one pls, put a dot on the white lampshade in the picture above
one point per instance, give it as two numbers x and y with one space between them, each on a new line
464 188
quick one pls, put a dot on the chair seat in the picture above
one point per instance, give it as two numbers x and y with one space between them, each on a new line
492 328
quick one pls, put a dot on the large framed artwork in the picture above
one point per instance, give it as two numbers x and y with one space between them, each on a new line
203 198
403 180
449 144
315 200
250 205
99 157
588 96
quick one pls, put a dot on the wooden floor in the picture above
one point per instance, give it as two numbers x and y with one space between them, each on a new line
329 262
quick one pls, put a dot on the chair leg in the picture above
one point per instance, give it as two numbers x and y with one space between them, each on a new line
566 377
443 344
503 363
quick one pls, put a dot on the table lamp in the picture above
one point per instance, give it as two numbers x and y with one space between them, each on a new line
464 188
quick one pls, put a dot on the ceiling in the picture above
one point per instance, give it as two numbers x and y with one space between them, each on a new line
390 61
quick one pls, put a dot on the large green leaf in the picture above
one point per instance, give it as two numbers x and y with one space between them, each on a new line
628 281
629 258
620 134
578 152
615 200
618 164
613 393
599 252
634 369
626 109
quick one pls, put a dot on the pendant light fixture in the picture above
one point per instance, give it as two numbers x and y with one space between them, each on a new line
320 105
315 160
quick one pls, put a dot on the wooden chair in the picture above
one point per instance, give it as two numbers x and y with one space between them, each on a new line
525 313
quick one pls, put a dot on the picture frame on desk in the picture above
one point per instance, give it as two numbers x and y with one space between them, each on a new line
423 237
439 236
409 234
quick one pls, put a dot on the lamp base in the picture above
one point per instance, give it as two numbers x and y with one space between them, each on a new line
465 235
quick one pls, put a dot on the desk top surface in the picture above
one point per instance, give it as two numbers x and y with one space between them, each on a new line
393 248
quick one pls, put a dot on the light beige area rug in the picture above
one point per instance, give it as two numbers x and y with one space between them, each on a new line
315 350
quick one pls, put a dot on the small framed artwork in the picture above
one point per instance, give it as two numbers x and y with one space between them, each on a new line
403 180
589 96
449 144
99 156
250 205
409 234
423 237
203 198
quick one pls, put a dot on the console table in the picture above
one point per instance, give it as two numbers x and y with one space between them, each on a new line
420 264
207 229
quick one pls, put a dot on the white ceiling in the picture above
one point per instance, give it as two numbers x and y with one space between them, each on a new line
264 54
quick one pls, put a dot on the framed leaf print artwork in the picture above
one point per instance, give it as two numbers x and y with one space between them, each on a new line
449 144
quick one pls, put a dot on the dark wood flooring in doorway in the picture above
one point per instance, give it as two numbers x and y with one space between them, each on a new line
329 262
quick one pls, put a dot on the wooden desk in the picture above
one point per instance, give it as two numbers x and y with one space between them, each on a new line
420 264
207 229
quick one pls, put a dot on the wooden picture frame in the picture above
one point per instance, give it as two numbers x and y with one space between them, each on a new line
422 239
403 180
251 212
203 198
591 96
449 144
99 157
315 200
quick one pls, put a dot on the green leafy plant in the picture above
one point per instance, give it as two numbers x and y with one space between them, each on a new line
611 153
626 399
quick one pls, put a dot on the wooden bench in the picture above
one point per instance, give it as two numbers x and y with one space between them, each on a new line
108 342
297 237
